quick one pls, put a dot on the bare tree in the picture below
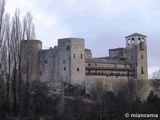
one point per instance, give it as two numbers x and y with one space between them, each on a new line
2 31
12 32
28 27
8 52
16 36
156 74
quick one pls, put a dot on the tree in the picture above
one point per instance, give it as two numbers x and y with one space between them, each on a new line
2 31
153 103
16 36
12 31
156 74
28 27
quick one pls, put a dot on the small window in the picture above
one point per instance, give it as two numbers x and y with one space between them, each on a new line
64 61
67 48
64 68
41 73
129 41
77 69
81 56
142 57
143 40
142 71
89 64
95 64
74 55
46 61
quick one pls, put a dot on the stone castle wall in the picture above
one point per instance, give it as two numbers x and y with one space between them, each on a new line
72 63
30 59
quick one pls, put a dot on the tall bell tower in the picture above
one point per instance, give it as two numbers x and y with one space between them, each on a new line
136 52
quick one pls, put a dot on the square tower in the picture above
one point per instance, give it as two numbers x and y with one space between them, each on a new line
71 58
136 53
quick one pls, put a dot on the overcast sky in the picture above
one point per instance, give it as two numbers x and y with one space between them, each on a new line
102 23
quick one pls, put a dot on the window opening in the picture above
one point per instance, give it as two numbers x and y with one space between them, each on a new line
64 61
46 61
81 56
142 71
142 57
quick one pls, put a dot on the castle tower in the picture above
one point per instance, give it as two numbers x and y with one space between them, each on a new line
71 60
136 52
30 59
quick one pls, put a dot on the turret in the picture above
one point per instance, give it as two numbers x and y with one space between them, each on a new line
30 59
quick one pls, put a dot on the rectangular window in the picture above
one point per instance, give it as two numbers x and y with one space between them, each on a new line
142 71
41 73
81 56
142 57
77 69
64 68
74 55
67 48
64 61
46 61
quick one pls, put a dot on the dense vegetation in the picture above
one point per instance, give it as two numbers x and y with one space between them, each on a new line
106 107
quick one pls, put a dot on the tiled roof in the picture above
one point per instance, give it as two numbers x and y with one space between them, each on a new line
107 61
135 34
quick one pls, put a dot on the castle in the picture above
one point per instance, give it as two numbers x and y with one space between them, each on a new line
71 62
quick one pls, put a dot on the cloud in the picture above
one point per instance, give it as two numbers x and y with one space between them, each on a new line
70 2
23 5
47 25
103 23
45 20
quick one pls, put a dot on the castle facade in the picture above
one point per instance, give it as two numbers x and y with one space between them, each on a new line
71 62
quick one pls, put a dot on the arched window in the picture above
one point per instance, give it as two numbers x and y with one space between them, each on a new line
143 40
132 41
139 40
128 41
